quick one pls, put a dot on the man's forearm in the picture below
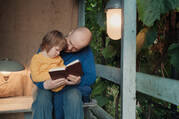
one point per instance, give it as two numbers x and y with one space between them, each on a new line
88 80
39 84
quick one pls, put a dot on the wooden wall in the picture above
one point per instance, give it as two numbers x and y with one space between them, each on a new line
23 23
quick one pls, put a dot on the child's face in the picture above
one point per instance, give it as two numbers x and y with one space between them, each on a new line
54 52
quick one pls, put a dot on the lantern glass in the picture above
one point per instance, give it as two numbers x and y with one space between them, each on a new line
114 23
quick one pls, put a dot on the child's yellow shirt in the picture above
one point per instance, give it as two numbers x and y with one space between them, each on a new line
40 66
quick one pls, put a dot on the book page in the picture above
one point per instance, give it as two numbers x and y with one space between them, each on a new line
73 62
57 69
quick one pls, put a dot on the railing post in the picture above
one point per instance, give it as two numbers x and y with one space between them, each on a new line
81 13
128 61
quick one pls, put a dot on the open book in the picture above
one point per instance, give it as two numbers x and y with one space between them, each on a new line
73 68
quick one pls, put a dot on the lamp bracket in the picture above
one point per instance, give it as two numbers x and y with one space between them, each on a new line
113 4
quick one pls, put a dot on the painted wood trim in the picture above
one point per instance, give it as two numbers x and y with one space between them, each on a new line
88 114
109 73
128 60
81 13
162 88
100 113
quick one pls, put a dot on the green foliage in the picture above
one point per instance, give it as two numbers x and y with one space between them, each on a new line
174 55
109 52
156 55
150 10
100 92
99 88
151 36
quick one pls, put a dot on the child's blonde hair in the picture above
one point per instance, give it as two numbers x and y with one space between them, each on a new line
51 39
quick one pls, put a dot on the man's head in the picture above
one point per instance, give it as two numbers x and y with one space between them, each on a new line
78 39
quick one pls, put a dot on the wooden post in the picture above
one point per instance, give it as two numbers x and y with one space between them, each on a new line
128 61
81 13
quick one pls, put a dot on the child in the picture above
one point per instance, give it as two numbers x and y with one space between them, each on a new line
52 44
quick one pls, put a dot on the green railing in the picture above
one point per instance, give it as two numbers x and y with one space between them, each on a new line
162 88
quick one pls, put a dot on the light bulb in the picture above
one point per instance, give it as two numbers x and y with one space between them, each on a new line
114 23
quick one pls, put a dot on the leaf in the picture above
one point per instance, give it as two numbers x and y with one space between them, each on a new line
100 19
145 68
173 51
151 36
170 4
89 9
109 52
177 9
102 100
99 89
173 47
107 41
167 5
150 10
138 108
177 5
116 44
111 98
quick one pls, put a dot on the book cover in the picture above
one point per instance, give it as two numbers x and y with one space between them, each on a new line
74 68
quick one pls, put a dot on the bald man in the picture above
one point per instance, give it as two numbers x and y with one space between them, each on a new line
68 102
78 39
77 48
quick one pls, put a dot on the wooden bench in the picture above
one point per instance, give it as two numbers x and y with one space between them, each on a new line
22 104
17 105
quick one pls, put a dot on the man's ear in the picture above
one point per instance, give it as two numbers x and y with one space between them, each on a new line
70 32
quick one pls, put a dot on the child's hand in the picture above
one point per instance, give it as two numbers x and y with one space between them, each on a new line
50 84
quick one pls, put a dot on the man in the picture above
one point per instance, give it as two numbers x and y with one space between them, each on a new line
68 102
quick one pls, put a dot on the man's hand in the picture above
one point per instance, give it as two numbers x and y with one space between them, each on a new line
73 80
50 84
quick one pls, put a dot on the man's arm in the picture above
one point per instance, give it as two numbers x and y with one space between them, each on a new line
38 84
88 65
